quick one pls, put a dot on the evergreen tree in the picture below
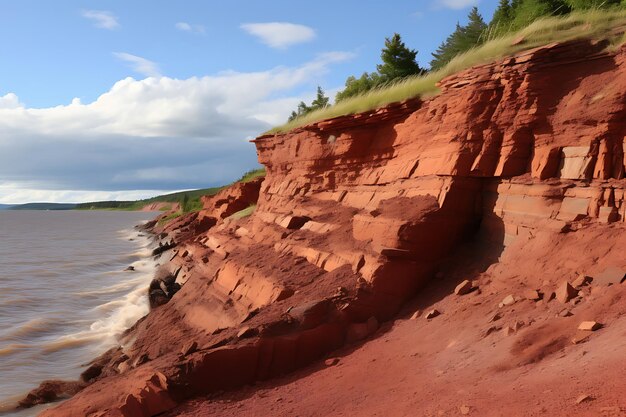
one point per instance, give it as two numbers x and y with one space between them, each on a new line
319 102
462 39
398 60
185 206
474 30
502 17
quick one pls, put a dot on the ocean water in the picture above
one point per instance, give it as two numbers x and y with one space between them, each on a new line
64 294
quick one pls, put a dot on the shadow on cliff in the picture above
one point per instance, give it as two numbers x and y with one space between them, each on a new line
467 261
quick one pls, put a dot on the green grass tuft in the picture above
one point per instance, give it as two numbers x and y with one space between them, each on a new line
170 217
243 213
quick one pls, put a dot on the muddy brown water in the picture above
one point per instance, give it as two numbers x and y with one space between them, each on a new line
64 294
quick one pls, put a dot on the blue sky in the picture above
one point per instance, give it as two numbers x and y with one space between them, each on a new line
119 99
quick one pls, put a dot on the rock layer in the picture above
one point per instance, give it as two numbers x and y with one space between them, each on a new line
357 213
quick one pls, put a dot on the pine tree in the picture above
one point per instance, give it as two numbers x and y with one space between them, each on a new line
502 17
320 101
398 60
462 39
473 31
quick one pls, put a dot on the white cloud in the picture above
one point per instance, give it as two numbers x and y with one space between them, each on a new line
280 35
158 133
10 101
102 19
457 4
140 65
17 194
188 27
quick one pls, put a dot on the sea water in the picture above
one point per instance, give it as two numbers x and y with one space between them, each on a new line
65 296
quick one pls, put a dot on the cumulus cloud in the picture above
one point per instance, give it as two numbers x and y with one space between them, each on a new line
188 27
10 101
102 19
280 35
140 65
457 4
158 133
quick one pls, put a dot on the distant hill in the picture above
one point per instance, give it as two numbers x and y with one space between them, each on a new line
43 206
192 197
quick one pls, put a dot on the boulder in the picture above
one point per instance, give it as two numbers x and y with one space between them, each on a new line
589 326
508 300
432 314
463 288
331 361
532 295
49 391
582 280
565 292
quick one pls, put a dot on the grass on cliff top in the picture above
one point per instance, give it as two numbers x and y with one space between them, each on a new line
594 24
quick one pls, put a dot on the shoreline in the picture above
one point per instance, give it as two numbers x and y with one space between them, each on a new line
115 317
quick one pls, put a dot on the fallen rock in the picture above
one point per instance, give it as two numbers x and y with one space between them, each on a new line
589 326
565 313
465 410
463 288
416 315
49 391
508 300
565 292
432 314
129 268
532 295
548 295
581 281
163 247
331 361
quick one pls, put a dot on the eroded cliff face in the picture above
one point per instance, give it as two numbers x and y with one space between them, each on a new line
356 214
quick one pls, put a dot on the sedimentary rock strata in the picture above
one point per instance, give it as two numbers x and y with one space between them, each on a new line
357 214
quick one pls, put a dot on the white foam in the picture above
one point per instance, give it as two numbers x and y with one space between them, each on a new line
121 313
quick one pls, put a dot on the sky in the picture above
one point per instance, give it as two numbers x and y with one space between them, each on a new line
117 100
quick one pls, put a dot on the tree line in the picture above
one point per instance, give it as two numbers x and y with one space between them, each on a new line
399 61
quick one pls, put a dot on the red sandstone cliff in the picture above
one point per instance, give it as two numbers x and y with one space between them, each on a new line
523 158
